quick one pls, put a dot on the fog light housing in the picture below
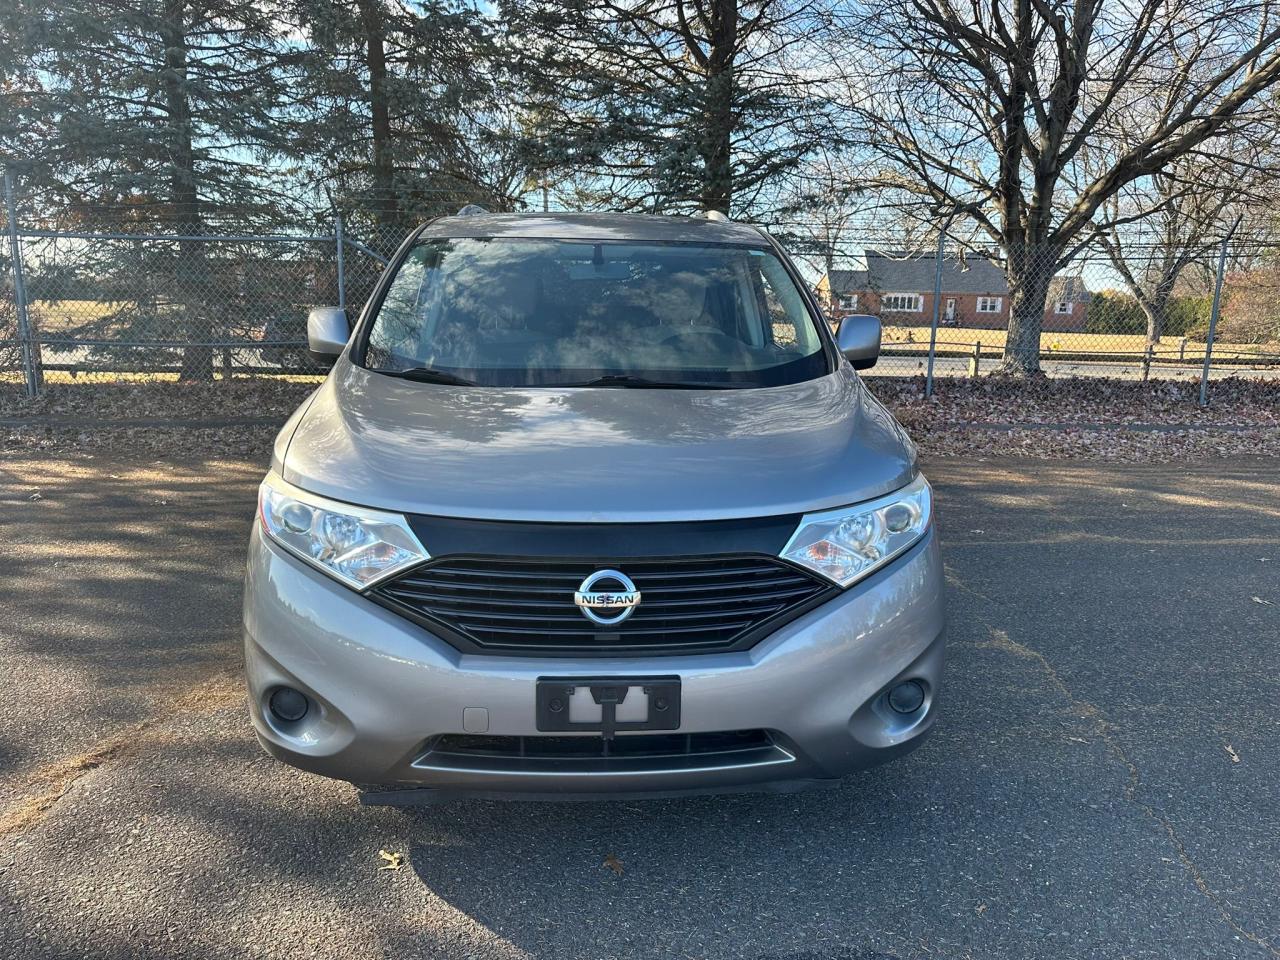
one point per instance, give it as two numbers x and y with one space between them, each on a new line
907 697
287 705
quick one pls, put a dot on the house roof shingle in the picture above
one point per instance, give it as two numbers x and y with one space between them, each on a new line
901 272
893 272
846 280
1070 287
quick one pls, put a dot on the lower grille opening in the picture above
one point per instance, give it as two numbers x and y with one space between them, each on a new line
638 753
631 745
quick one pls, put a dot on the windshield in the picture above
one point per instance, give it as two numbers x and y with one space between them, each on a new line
501 312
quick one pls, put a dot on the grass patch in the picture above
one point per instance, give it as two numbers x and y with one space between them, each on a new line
917 339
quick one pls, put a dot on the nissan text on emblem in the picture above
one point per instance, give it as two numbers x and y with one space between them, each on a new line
607 607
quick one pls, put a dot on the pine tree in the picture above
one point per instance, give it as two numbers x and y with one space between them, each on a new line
669 104
154 112
396 99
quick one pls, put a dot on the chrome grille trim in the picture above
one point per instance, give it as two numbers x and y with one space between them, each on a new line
629 754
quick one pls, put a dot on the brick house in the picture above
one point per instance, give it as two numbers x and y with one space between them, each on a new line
898 288
1067 304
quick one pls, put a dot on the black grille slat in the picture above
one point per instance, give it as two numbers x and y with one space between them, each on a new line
656 598
448 610
455 605
627 745
692 629
519 605
427 589
538 571
776 582
445 599
507 574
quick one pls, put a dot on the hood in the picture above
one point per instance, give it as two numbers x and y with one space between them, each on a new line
596 454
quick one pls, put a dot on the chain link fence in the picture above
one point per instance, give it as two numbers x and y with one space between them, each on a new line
185 303
117 305
1147 312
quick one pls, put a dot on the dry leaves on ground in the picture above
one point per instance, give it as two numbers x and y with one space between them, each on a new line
1055 419
219 400
1081 400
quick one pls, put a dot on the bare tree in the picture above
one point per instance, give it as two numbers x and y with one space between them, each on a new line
1156 227
1179 222
985 111
828 197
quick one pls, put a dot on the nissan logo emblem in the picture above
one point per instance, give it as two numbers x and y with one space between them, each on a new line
608 607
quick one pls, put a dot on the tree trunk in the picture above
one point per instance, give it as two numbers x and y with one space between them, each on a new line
716 141
383 172
1154 311
829 261
1156 306
1030 269
191 272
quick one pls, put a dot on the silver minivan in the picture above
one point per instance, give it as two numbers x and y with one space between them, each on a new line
592 504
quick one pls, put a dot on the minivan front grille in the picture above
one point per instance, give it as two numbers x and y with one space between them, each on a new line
513 606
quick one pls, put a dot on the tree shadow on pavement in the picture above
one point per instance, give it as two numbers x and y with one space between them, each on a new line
123 591
1103 649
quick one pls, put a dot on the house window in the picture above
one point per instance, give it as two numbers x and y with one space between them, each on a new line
1062 306
902 302
848 301
990 304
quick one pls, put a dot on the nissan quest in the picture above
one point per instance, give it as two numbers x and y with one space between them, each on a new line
592 505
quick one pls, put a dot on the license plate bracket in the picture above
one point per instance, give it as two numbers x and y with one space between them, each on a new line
557 712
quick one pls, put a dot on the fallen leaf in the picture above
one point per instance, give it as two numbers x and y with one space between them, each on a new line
394 860
1235 757
1260 600
614 864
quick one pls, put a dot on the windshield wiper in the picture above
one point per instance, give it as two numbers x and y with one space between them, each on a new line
427 375
625 380
629 381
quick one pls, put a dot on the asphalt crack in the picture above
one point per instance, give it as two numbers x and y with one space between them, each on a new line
1104 730
48 784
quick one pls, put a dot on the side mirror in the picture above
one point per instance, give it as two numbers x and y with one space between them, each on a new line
858 338
327 332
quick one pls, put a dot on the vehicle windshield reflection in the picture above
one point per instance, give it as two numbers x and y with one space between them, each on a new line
518 313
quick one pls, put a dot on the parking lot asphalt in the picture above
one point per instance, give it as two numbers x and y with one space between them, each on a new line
1102 781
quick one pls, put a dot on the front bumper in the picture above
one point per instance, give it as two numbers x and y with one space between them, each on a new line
382 688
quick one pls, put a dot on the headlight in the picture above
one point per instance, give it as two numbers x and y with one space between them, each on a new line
847 544
356 545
